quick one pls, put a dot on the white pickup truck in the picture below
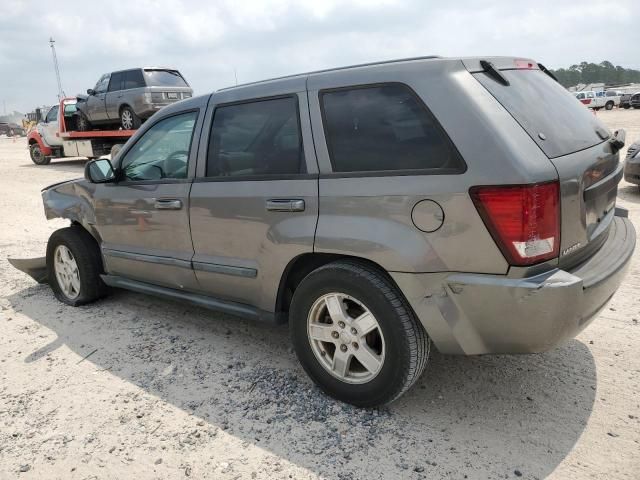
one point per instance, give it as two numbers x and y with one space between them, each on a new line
598 100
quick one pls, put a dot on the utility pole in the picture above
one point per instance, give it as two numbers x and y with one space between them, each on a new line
55 65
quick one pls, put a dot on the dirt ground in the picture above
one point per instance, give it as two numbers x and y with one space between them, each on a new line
136 387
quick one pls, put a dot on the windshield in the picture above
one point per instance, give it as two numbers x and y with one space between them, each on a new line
164 78
552 117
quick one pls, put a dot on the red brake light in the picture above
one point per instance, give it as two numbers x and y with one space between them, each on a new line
525 64
524 220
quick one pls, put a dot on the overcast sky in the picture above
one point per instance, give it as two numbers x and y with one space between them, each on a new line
207 40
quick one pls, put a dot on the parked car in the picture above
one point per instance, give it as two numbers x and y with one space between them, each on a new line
625 100
611 99
128 97
12 130
592 100
373 208
632 164
635 100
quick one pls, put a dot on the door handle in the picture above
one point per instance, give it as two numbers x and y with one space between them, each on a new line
285 205
167 204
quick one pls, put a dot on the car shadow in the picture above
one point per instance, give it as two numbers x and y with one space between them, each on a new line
61 165
481 417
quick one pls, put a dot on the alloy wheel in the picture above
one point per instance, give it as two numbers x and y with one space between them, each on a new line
127 119
67 274
346 338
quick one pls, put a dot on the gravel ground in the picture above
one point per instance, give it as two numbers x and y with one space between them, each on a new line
136 387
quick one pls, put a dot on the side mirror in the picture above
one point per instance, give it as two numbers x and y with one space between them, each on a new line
99 171
91 91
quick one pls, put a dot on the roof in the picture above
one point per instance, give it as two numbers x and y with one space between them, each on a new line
285 77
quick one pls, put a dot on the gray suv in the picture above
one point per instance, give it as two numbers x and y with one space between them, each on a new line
375 208
128 97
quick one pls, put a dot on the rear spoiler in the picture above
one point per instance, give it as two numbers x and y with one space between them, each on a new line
493 65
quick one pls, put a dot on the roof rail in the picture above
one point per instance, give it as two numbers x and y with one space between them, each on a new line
370 64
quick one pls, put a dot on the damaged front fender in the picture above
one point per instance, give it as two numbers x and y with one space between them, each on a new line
71 200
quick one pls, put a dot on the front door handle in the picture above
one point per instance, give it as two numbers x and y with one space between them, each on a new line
167 204
285 205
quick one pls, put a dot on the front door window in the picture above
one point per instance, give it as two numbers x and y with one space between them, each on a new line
163 151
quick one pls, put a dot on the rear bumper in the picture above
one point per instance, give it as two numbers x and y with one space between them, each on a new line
476 314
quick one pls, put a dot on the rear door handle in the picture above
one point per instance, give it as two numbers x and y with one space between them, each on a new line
285 205
167 204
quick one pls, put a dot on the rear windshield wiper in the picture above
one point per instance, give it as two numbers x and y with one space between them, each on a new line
491 70
547 71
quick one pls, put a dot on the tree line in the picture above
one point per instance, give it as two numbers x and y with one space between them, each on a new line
604 72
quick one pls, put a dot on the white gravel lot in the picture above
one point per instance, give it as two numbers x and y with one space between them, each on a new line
168 391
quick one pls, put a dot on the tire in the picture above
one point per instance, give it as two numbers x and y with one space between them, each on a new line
128 119
400 343
626 107
37 157
86 254
82 122
608 105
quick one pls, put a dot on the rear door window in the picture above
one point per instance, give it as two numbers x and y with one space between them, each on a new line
546 110
385 128
116 81
133 79
256 138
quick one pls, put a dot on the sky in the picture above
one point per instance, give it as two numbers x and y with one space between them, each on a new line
212 41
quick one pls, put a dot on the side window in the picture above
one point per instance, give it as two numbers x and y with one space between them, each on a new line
102 84
163 150
116 81
256 138
52 115
385 128
133 79
590 95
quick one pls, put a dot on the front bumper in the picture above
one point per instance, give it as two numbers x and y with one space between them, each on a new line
632 170
476 314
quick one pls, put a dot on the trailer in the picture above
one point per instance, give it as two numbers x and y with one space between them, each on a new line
56 136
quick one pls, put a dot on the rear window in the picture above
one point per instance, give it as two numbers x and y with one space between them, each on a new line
164 78
385 128
545 109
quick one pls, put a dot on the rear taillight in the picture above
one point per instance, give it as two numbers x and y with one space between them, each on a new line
524 220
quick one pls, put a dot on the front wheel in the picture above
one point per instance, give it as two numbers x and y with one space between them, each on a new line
82 122
37 157
608 106
355 335
129 120
74 266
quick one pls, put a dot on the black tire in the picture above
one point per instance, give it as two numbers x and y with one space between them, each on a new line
626 107
608 105
37 157
129 123
89 262
82 122
406 342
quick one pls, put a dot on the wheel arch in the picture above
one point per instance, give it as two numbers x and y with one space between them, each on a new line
301 266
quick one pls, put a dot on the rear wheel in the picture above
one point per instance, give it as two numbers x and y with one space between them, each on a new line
608 105
355 335
129 120
74 266
37 157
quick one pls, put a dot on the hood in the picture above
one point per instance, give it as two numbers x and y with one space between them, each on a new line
49 187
